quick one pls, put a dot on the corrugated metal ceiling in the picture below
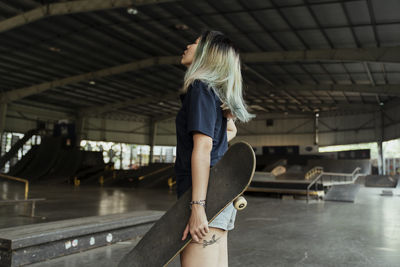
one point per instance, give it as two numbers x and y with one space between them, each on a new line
63 46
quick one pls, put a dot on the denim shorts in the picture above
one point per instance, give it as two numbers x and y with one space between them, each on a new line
226 219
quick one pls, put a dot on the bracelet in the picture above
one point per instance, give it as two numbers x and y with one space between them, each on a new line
200 202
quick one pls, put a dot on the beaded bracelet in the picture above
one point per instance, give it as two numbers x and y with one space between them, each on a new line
200 202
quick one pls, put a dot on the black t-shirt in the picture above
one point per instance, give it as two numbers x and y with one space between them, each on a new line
200 112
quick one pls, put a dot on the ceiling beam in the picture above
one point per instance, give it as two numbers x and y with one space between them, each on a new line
133 66
387 54
373 54
130 102
386 89
71 7
40 111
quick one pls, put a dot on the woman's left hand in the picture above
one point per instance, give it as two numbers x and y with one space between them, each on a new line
197 225
228 114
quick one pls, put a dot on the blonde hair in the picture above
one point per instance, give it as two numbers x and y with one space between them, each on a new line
216 62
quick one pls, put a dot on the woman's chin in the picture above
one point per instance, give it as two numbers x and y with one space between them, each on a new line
185 63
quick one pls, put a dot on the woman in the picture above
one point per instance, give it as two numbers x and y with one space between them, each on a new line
211 99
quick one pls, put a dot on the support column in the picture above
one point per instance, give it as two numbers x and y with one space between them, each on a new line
120 156
3 114
381 162
382 136
153 135
316 128
379 133
80 126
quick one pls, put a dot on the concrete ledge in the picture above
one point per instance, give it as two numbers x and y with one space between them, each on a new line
38 242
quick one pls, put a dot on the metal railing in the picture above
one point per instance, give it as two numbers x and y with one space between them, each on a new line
341 178
26 199
18 180
16 147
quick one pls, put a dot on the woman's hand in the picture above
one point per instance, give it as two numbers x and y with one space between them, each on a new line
230 126
227 112
197 225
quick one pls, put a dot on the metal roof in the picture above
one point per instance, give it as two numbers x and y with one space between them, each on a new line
93 57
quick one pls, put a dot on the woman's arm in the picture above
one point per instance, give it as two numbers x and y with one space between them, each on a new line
200 161
201 158
231 129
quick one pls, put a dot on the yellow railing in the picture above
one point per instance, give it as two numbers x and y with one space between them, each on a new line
171 183
313 172
18 180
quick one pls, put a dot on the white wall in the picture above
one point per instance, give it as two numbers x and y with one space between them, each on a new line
98 129
287 130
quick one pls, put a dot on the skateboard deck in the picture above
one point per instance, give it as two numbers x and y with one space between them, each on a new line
229 178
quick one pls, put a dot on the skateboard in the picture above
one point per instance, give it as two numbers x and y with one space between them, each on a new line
229 178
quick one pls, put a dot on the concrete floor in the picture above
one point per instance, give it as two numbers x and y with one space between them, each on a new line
66 202
270 232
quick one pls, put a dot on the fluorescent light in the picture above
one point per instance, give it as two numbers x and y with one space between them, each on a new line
54 49
132 11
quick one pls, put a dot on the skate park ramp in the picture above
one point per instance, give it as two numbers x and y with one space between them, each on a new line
92 175
24 161
43 160
287 183
293 172
67 164
158 178
341 165
263 176
90 167
342 193
155 175
92 158
290 175
293 181
381 180
271 166
62 163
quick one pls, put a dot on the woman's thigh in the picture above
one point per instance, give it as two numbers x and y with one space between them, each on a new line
207 252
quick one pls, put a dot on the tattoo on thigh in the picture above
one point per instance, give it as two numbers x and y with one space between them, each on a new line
213 240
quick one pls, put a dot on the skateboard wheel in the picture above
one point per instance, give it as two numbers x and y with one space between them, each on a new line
240 203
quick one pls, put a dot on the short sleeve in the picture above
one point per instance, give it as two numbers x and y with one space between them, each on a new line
202 112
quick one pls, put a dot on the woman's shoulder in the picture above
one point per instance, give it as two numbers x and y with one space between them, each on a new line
199 86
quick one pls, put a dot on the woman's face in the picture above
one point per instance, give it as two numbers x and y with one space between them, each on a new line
187 57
